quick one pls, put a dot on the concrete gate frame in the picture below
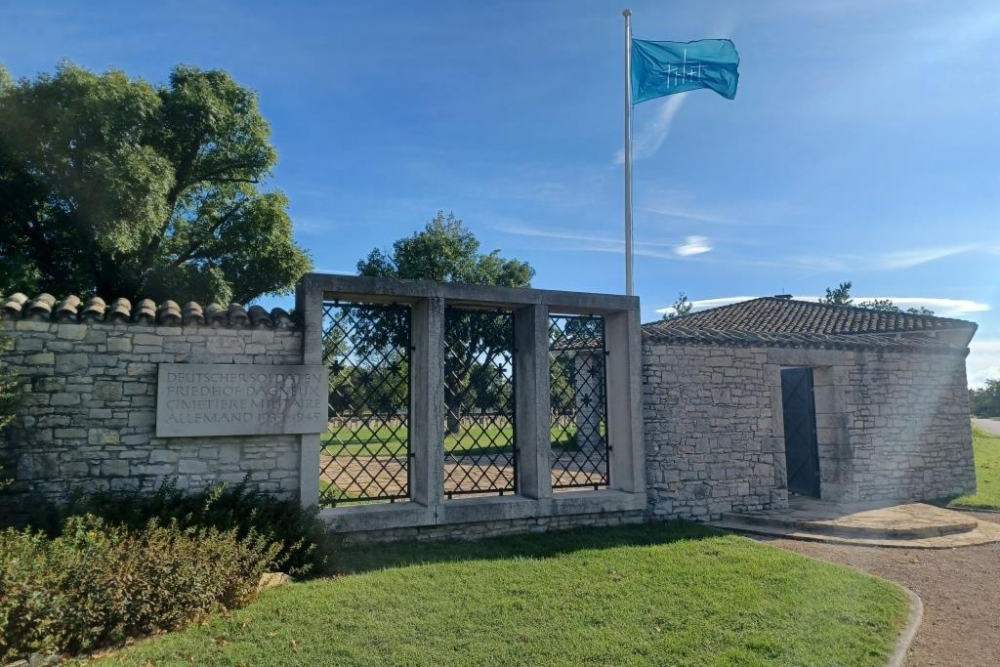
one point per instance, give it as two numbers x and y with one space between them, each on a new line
428 506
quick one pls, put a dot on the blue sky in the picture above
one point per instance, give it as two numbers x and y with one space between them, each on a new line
862 144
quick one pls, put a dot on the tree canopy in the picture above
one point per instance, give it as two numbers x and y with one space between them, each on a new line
985 402
446 251
117 187
841 296
679 307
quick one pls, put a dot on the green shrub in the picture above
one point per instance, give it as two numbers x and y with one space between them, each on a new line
98 584
304 541
10 396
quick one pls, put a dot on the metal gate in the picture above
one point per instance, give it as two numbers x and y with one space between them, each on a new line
801 451
480 442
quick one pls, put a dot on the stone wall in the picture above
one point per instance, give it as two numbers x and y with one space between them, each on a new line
710 441
896 426
890 425
89 412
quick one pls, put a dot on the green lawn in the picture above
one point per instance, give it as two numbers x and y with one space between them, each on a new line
648 595
475 440
987 495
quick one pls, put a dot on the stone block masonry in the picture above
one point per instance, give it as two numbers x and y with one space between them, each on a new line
89 414
890 425
892 414
710 442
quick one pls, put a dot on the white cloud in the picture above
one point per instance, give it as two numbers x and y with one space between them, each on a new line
889 261
690 214
983 362
942 307
905 259
652 135
576 241
693 245
705 304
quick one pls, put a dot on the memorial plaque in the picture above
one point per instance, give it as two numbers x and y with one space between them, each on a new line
240 399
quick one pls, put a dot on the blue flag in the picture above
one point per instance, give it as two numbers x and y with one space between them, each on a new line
665 68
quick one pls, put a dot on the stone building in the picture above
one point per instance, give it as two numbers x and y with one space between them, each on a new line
747 403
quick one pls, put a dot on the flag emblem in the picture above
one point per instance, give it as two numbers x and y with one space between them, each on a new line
666 68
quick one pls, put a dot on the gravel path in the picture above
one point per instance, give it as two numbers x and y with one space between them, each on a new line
960 589
989 425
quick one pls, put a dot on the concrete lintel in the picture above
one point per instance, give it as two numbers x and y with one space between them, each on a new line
476 510
372 289
805 357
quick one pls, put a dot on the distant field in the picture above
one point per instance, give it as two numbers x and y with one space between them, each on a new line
987 450
475 440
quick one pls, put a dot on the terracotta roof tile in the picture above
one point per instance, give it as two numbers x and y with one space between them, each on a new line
678 335
786 322
44 307
775 315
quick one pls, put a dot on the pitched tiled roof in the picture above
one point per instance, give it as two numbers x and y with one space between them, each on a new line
677 335
772 321
71 309
776 315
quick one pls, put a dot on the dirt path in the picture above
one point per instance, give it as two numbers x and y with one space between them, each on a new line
960 589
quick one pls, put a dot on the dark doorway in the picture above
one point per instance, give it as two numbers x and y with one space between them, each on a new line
801 452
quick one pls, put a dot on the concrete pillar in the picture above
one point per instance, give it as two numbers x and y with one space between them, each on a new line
532 413
624 372
309 304
427 410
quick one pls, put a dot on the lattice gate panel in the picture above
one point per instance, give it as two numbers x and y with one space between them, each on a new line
480 443
578 381
365 454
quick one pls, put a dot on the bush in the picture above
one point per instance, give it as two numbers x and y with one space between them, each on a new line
10 396
303 540
98 584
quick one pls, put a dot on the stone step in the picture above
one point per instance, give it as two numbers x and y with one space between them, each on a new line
984 533
861 529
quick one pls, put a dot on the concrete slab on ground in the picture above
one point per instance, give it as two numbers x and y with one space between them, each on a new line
907 525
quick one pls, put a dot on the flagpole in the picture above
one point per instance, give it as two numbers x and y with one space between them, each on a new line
627 13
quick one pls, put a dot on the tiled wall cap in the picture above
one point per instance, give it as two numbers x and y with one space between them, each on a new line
94 310
169 314
120 311
215 315
40 308
13 304
145 312
282 319
193 313
238 316
67 309
259 317
45 307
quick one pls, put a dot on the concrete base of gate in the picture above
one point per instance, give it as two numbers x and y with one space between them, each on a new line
908 526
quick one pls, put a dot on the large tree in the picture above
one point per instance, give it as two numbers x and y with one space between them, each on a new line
985 402
446 251
113 186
